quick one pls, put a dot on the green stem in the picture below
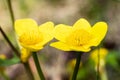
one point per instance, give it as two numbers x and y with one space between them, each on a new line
104 75
38 66
11 11
26 65
28 70
76 66
10 44
98 73
9 3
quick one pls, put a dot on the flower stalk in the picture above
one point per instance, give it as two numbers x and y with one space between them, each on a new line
103 75
38 67
98 57
9 42
11 11
76 66
98 73
28 70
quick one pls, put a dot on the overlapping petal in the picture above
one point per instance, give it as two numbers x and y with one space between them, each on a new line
61 46
61 31
47 31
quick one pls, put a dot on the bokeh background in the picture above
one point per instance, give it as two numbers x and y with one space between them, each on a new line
57 64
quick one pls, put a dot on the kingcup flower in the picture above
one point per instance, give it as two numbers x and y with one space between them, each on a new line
100 61
102 55
31 36
79 37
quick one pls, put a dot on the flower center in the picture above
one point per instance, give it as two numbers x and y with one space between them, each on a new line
31 38
79 38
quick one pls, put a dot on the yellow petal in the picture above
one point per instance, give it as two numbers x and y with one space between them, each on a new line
99 30
61 46
80 48
23 25
25 54
47 31
61 31
35 47
82 24
65 47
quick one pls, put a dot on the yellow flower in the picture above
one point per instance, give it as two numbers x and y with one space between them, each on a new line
3 57
80 37
31 36
102 55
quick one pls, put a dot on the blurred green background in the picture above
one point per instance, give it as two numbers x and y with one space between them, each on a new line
55 62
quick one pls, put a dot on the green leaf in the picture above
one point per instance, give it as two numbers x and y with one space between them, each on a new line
8 62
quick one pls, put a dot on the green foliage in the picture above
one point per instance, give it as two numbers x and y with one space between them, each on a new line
97 9
81 74
111 59
87 70
116 0
23 6
8 62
